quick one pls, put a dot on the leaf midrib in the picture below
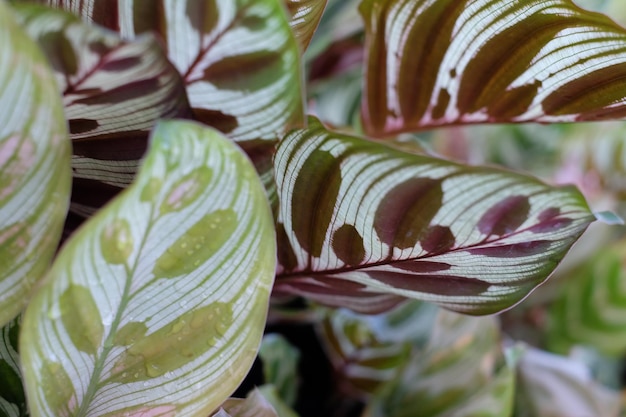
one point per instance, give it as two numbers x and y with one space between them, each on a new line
94 381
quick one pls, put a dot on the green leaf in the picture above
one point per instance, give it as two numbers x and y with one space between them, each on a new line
461 372
590 308
34 166
12 398
280 366
239 58
489 61
362 225
305 17
113 92
556 386
157 304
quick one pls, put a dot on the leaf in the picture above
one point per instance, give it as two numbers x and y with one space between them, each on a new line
255 405
359 219
305 16
556 386
489 61
589 310
157 304
280 366
34 166
12 399
239 59
368 350
270 393
461 373
113 92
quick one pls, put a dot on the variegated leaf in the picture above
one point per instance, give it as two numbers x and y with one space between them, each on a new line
157 305
557 386
368 350
461 373
359 219
34 166
591 307
239 58
113 91
305 16
12 398
443 62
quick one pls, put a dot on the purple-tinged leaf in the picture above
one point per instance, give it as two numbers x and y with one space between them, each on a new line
239 59
363 225
305 16
445 62
113 92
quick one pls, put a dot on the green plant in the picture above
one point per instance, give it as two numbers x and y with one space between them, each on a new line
156 305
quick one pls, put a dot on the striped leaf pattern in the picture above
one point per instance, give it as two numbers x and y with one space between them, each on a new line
12 398
157 305
442 62
461 372
590 309
34 166
113 92
359 219
305 16
368 350
239 58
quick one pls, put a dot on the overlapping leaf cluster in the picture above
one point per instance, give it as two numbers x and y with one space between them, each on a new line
156 304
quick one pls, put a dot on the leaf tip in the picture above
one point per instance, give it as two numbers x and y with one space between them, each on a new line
608 217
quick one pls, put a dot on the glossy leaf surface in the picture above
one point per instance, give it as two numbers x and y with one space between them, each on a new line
239 58
12 397
34 166
461 372
359 219
433 63
157 305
